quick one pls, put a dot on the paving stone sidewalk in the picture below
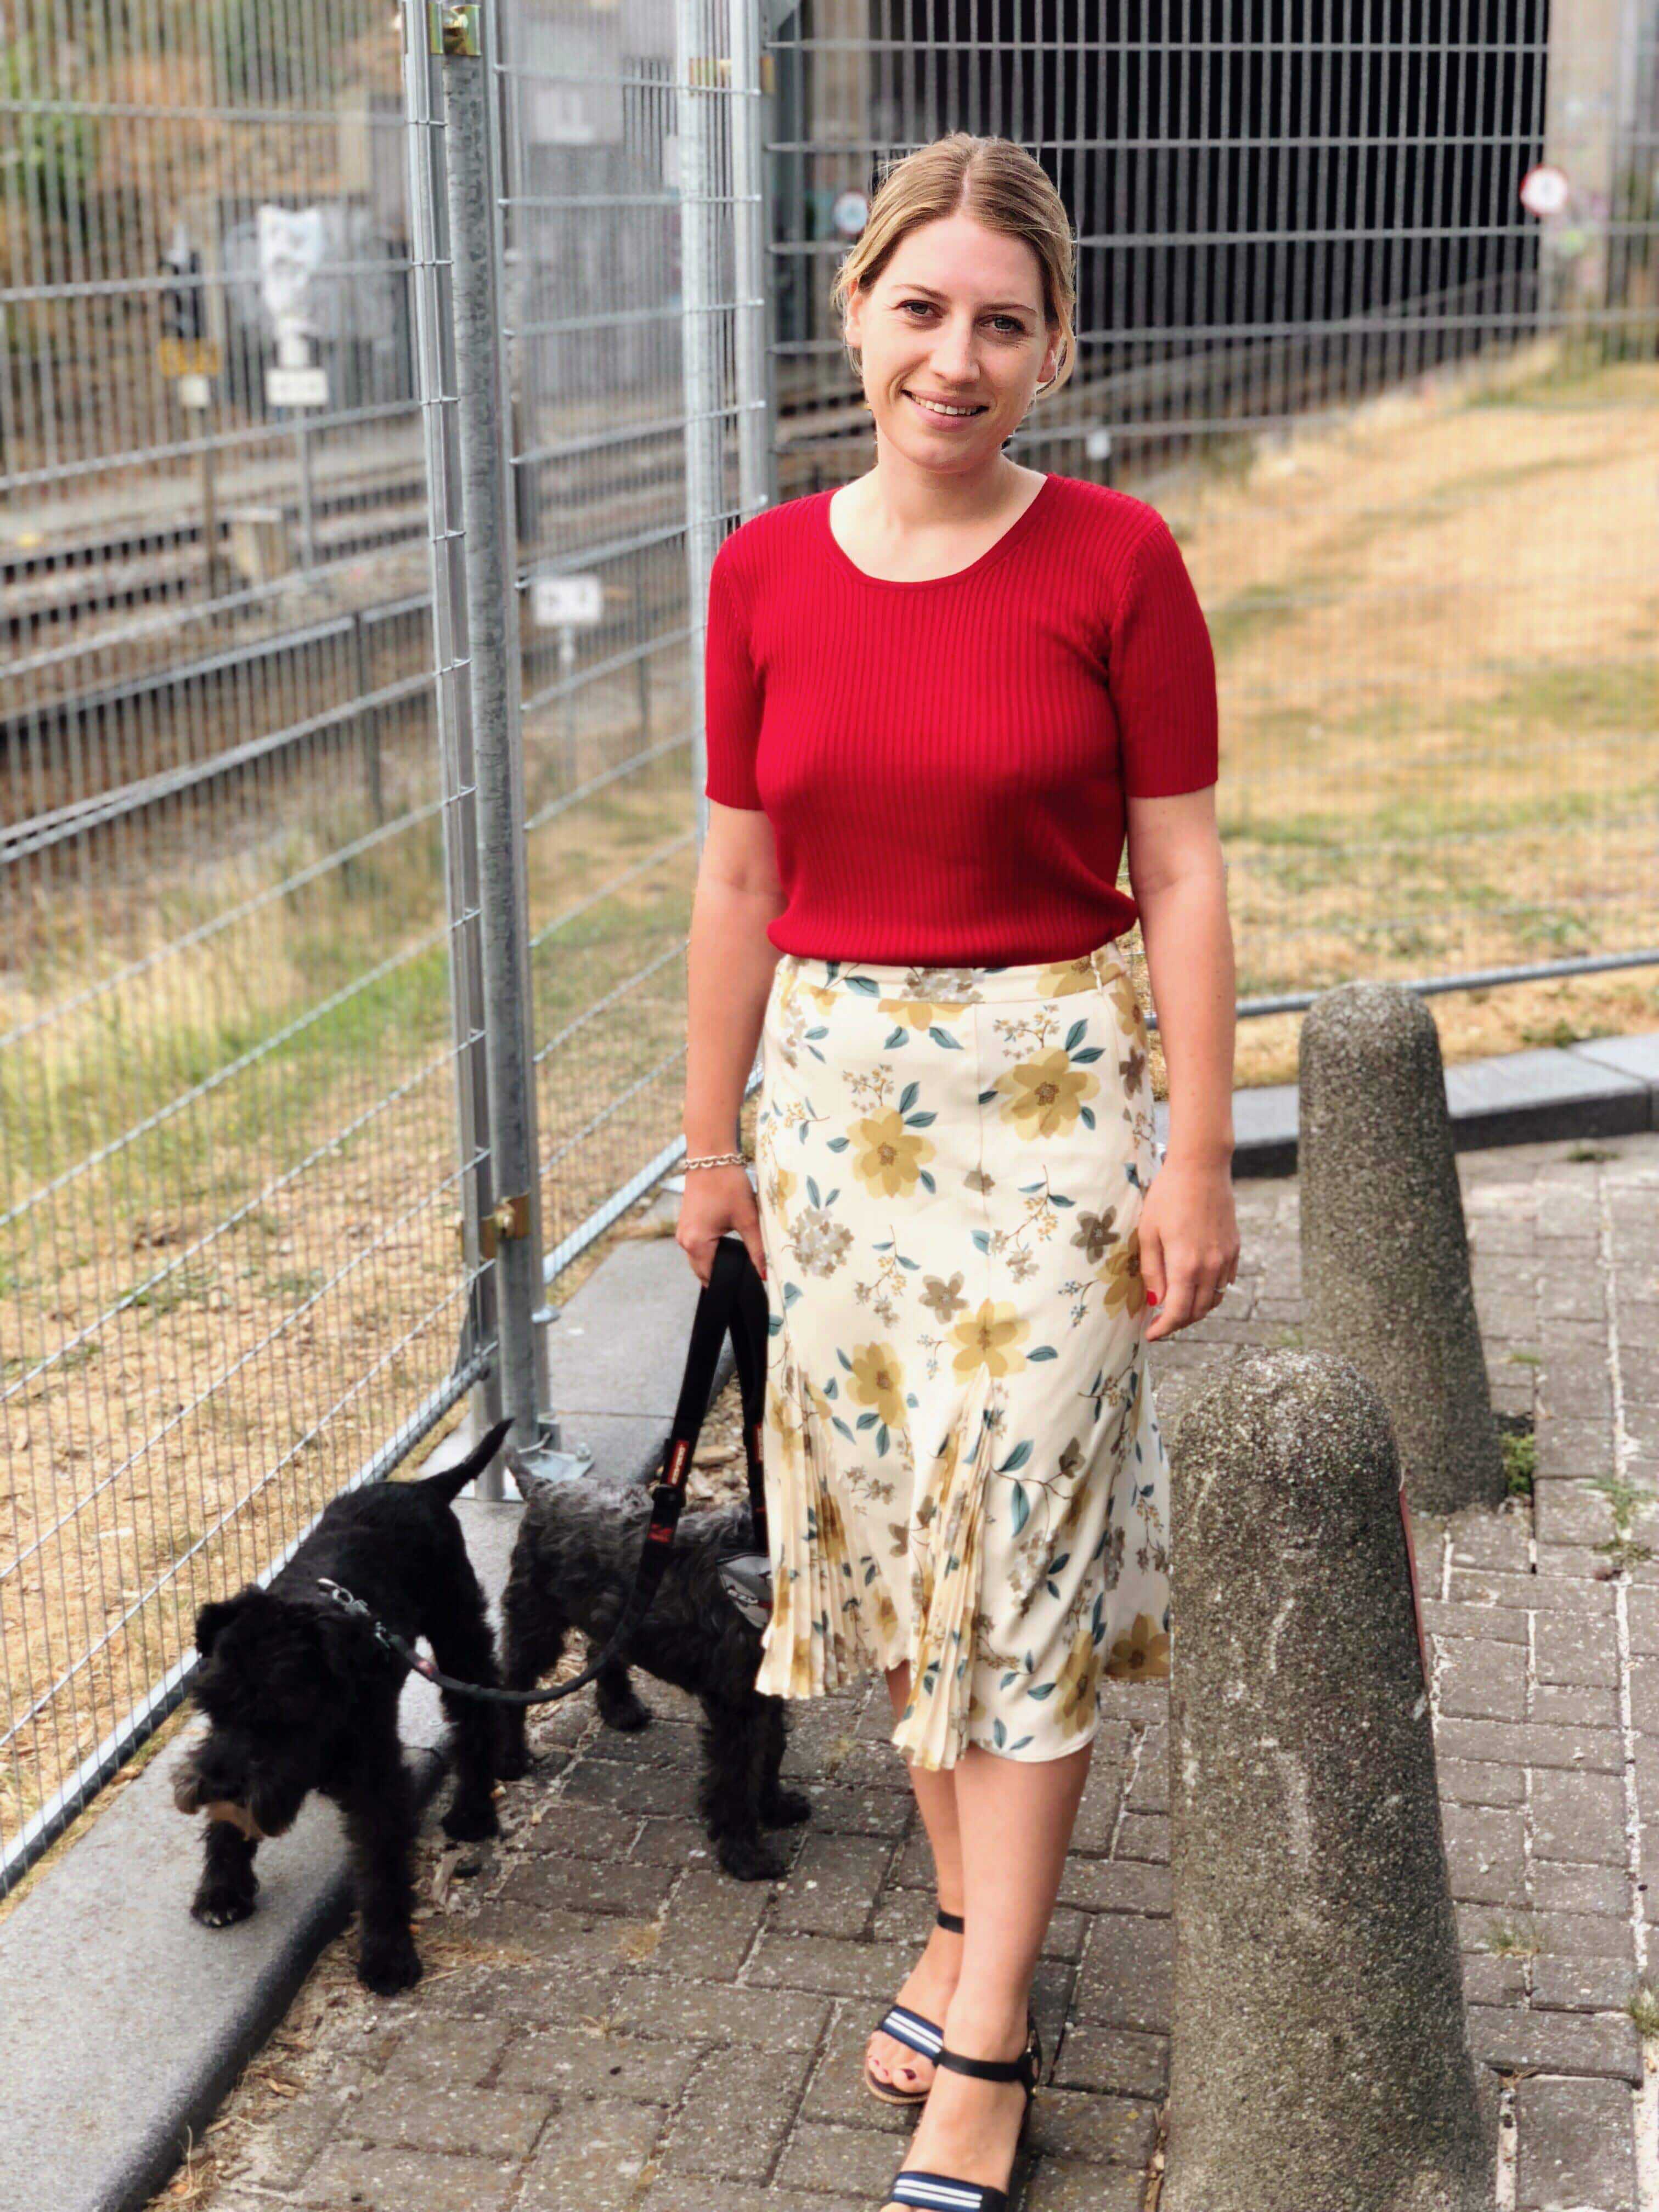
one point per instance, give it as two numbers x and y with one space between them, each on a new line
609 2023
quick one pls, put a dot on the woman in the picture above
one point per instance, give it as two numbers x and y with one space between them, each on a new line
938 699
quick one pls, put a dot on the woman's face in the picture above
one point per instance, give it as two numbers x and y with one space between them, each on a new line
952 341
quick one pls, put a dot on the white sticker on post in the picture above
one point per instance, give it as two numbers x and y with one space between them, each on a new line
567 602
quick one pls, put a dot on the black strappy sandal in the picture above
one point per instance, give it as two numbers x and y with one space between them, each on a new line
947 2192
914 2031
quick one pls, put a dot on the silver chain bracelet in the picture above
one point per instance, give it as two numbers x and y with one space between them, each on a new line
717 1160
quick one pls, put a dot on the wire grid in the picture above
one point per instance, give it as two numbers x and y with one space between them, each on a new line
616 148
230 1283
1404 429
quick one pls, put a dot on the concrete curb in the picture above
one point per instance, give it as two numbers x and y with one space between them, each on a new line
124 2023
1604 1087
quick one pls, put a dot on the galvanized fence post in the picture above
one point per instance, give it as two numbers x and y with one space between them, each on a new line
757 447
460 33
699 130
434 381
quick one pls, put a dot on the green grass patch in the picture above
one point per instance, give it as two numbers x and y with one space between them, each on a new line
1520 1463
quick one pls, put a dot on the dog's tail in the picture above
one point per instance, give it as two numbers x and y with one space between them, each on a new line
449 1485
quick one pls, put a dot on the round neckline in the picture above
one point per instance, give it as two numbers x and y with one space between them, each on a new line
994 551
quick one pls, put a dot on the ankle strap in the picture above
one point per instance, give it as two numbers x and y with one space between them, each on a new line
990 2069
951 1920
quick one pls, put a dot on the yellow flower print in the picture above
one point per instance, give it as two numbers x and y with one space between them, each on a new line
909 1013
878 1380
1079 1673
1062 979
1045 1093
886 1613
1126 1293
1121 990
990 1339
784 1427
891 1156
831 1529
1143 1654
781 1184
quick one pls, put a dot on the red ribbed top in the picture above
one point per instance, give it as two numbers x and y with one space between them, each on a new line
944 763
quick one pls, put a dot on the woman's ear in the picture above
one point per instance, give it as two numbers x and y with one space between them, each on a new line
852 324
1050 367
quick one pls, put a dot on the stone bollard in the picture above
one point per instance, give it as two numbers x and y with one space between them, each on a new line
1385 1254
1320 2060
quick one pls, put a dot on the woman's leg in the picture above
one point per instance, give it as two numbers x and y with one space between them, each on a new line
929 1989
1015 1819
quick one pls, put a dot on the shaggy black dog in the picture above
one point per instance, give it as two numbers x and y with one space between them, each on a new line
573 1564
302 1696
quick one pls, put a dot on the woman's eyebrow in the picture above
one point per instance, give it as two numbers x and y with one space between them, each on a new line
1021 306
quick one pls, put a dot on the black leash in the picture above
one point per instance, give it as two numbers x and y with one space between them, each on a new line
734 1298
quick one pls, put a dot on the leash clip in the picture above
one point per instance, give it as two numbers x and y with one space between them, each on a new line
344 1597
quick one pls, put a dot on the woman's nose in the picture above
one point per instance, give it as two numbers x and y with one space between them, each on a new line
953 353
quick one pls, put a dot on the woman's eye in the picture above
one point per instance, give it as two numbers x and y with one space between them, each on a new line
1004 321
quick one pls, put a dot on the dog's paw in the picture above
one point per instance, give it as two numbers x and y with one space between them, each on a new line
625 1713
223 1908
784 1809
749 1859
470 1819
389 1966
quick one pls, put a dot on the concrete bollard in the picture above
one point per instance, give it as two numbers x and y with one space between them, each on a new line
1385 1254
1320 2060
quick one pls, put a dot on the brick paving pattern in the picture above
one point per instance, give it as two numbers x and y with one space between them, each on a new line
609 2023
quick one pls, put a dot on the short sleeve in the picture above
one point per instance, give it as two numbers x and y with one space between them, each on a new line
1161 672
731 691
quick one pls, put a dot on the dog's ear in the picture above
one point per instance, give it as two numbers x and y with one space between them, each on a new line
210 1619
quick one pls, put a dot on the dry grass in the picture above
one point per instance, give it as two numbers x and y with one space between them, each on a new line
1435 624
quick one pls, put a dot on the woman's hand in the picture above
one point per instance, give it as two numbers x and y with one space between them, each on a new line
1188 1242
713 1200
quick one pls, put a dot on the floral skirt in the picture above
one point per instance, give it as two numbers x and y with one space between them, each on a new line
963 1467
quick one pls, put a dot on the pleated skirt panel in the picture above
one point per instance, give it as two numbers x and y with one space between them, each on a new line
963 1465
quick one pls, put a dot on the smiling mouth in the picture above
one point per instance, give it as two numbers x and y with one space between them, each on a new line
943 407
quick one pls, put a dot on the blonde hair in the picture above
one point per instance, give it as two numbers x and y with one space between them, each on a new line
1000 186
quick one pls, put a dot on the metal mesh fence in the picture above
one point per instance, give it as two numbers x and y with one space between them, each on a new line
638 430
349 742
229 1280
1403 428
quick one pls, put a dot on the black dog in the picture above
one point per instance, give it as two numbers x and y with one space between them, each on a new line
573 1564
303 1697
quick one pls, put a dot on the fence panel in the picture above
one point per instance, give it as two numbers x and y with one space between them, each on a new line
1403 426
637 424
229 1279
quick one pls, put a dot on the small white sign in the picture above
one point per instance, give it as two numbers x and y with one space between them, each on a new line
567 602
1098 445
849 213
296 388
1545 190
195 392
